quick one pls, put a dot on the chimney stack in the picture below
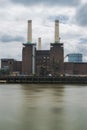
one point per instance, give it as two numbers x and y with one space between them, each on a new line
39 43
29 34
57 39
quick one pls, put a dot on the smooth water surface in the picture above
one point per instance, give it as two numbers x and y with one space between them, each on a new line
43 107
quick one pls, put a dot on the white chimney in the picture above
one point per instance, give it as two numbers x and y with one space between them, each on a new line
39 43
29 34
57 39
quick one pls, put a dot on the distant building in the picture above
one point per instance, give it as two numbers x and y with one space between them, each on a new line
11 65
75 57
72 68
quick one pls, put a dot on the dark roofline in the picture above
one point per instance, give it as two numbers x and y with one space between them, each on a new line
28 44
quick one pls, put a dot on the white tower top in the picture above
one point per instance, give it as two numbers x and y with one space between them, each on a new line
57 38
39 43
29 34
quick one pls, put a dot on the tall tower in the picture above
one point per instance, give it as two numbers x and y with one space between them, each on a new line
29 33
56 53
28 53
39 43
57 38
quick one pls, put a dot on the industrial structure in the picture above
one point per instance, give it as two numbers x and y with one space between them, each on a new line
36 61
75 57
11 66
42 62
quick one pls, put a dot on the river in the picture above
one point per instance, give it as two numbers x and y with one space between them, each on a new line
43 107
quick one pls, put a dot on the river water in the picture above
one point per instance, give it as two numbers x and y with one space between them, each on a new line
43 107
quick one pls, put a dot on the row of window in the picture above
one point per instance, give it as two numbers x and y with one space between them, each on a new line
44 57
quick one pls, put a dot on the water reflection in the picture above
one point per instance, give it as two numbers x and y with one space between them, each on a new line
43 107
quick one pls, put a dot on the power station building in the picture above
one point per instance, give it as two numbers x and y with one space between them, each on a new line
42 62
36 61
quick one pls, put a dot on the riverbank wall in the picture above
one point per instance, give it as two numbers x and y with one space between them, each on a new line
43 80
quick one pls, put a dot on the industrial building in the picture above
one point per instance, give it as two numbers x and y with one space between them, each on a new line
12 66
75 57
42 62
36 61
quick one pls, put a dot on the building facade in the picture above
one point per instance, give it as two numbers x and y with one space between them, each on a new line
45 61
71 68
28 59
11 66
42 61
56 58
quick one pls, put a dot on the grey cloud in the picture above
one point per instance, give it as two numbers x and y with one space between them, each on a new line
4 4
62 18
8 38
83 40
83 50
82 47
81 15
48 2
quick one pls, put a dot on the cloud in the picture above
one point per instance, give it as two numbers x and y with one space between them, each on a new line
81 15
11 50
48 2
15 13
8 38
3 3
83 40
62 18
83 49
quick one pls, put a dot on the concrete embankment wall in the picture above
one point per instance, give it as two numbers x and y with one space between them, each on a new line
37 80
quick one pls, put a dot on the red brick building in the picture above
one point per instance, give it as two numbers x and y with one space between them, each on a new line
46 61
75 68
11 65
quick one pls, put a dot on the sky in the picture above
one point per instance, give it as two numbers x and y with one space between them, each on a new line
14 15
